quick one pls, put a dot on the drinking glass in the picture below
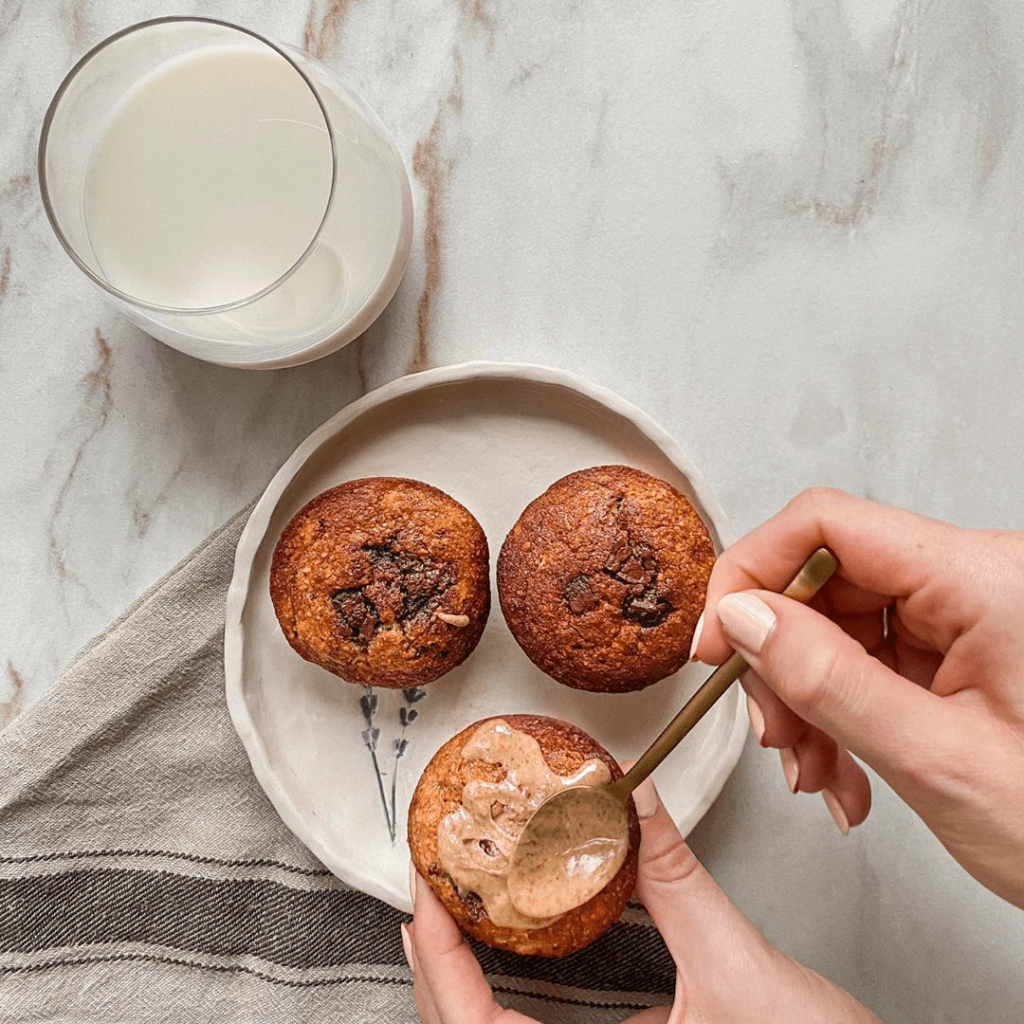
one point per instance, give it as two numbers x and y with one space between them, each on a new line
231 195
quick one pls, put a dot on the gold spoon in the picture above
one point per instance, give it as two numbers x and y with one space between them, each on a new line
576 841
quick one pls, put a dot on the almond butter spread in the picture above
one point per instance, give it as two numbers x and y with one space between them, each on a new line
475 843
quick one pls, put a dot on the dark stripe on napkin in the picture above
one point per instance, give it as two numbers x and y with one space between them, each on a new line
627 958
350 979
225 917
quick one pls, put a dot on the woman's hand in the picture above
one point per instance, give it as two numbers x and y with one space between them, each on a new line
726 972
916 665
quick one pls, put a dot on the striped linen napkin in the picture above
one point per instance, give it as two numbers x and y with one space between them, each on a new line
144 876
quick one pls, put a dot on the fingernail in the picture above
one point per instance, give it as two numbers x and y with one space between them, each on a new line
412 882
756 717
406 944
747 621
645 798
696 636
790 767
835 808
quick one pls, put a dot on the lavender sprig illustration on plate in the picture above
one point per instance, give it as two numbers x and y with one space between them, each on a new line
371 735
407 715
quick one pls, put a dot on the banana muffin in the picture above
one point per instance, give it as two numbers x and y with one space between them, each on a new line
382 581
602 579
469 808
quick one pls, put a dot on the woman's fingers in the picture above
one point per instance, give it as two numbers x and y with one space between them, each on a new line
827 679
726 970
816 755
849 791
684 901
884 554
772 722
812 761
448 983
425 1005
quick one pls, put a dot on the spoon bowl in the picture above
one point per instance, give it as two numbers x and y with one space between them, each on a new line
574 840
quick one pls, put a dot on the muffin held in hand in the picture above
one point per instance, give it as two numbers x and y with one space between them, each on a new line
603 577
382 581
469 808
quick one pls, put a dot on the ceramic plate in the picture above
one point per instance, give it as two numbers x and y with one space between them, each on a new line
340 761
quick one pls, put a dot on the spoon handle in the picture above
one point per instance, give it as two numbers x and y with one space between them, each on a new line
807 582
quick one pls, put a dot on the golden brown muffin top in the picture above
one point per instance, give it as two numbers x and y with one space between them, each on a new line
383 581
602 578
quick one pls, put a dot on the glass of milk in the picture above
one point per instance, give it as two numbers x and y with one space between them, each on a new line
232 196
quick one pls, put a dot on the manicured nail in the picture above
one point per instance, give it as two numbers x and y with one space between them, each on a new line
747 621
790 767
412 882
697 630
646 799
756 717
407 944
835 808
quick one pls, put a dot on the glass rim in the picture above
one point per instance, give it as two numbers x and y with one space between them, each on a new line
51 216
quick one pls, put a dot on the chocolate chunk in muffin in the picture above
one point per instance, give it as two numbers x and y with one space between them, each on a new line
603 577
382 581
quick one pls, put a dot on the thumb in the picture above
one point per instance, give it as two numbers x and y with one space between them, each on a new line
699 923
830 681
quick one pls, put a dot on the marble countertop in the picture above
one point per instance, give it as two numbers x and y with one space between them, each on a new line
791 232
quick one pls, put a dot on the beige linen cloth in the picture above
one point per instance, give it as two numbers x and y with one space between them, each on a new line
144 876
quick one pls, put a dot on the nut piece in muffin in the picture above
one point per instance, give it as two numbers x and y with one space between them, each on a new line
603 577
382 581
468 810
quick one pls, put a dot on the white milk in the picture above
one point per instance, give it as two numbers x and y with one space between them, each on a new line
210 181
